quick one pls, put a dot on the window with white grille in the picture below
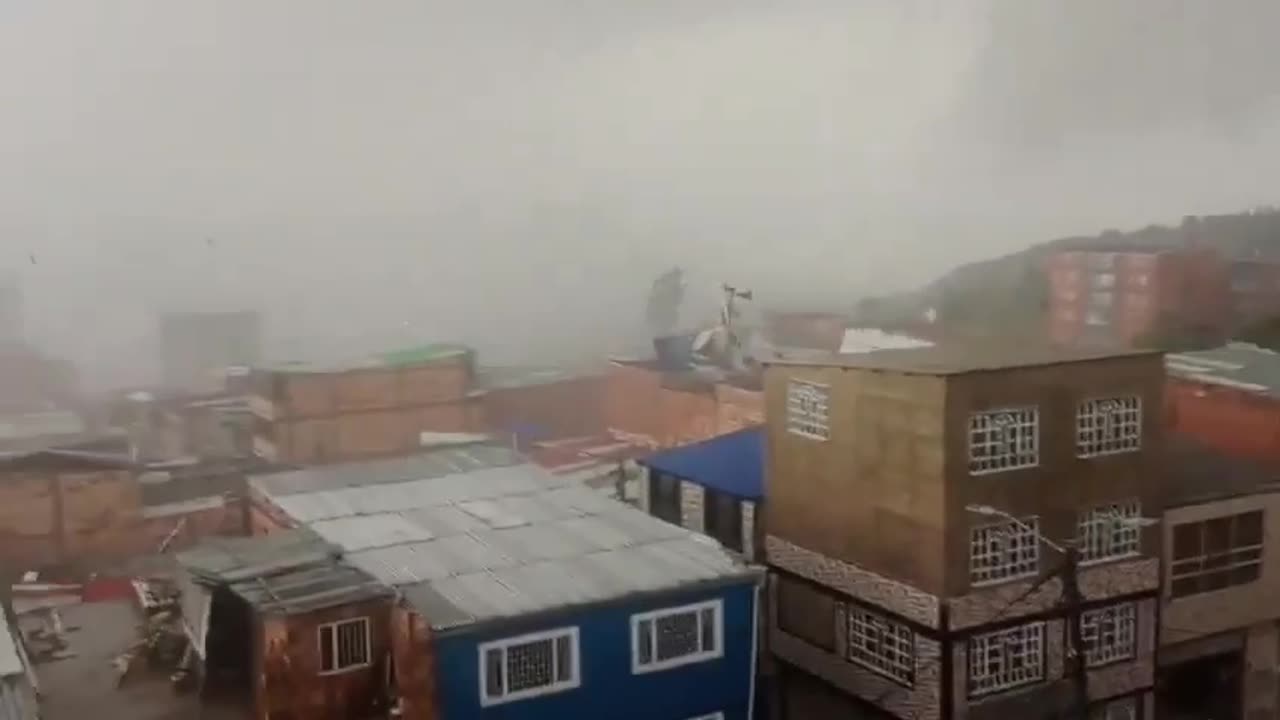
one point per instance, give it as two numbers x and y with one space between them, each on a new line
1110 634
344 645
1110 531
1126 709
1006 659
676 636
1005 439
1106 426
882 646
528 666
1004 551
807 411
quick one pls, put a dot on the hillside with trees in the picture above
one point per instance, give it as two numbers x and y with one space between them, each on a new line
1007 296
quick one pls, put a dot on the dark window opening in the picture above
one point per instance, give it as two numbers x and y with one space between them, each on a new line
664 497
722 519
807 613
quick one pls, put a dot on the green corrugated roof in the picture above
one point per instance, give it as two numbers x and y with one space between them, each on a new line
423 354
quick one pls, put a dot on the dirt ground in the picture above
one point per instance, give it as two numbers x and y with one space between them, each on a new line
85 686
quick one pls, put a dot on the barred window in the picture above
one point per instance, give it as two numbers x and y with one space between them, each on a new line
1110 634
1217 553
882 646
344 645
1107 426
1006 659
528 666
1110 531
1004 551
807 409
1006 439
676 636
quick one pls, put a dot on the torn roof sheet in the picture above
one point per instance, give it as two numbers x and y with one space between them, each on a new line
487 543
10 660
1243 366
293 571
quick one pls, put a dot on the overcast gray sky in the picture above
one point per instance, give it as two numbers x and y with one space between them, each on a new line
514 172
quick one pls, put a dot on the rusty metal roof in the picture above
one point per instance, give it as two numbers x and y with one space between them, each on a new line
484 544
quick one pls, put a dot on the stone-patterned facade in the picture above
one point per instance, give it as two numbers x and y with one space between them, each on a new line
896 597
964 616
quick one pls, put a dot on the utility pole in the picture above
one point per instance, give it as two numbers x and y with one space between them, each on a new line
1072 599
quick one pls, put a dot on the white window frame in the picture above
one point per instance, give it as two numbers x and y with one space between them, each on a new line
1110 532
895 657
1116 624
1004 439
652 617
1108 426
1005 563
575 666
809 409
981 647
334 628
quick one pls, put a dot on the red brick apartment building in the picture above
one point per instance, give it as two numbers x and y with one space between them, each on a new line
1126 295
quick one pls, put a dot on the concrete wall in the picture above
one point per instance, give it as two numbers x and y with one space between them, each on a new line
873 493
1229 609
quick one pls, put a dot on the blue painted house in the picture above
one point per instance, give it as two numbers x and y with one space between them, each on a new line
712 487
533 596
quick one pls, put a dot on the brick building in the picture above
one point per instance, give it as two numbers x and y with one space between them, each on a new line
1228 398
1130 295
662 408
1255 290
307 414
890 595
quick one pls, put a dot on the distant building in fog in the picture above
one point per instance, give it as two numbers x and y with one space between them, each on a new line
197 348
10 309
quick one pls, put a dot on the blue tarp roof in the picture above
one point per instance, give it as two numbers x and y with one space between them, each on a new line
732 463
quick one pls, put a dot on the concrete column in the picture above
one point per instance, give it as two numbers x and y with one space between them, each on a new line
691 501
1260 663
642 488
749 530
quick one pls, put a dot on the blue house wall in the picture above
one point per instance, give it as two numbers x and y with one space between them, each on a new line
608 688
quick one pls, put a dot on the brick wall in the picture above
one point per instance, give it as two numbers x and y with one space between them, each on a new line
1235 421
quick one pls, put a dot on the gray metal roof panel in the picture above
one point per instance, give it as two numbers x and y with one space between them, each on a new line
502 541
1240 365
14 705
362 532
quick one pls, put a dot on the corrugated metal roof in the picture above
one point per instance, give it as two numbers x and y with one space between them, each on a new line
1243 366
438 463
291 572
10 660
860 340
483 544
732 463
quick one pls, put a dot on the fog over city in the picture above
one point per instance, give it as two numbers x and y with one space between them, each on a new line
514 173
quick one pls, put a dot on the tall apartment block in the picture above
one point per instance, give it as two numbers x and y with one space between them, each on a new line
919 502
1126 295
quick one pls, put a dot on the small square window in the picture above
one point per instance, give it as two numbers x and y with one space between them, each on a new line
807 409
528 666
672 637
1006 659
1006 439
1004 551
882 646
1110 634
1107 426
344 646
